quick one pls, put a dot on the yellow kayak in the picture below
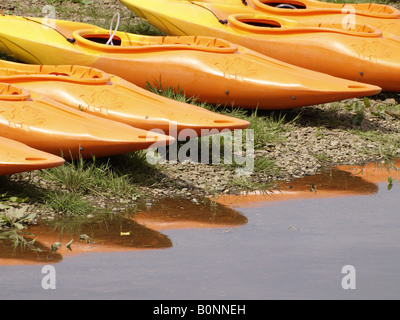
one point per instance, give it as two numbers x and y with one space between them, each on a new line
108 96
309 13
52 127
360 54
17 157
211 69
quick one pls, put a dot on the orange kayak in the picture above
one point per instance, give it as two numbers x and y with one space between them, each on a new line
359 54
108 96
49 126
208 68
314 7
17 157
309 13
320 7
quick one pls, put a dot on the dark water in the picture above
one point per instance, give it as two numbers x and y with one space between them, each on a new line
283 249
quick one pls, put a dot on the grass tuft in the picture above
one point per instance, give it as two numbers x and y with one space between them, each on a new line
69 203
89 177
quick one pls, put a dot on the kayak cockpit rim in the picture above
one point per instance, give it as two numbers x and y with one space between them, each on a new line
263 24
96 39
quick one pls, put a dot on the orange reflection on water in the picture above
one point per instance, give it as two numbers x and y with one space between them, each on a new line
104 236
120 234
141 231
343 180
185 214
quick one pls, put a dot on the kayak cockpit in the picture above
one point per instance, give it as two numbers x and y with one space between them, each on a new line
262 24
282 4
121 42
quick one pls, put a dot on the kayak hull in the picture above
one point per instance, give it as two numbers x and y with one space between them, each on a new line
49 126
16 157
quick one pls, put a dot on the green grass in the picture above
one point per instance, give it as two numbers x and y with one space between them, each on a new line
70 204
44 197
99 17
246 184
140 27
322 157
66 189
388 144
135 167
269 127
118 177
266 166
175 94
90 177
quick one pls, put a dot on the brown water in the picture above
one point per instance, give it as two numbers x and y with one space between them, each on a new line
289 245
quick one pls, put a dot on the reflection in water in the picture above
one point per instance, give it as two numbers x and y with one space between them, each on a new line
141 230
180 214
291 249
374 173
117 234
23 253
104 234
341 181
334 181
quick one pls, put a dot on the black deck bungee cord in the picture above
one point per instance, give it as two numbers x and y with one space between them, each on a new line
219 20
71 40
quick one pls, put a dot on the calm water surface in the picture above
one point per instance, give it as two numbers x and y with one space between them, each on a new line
292 245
